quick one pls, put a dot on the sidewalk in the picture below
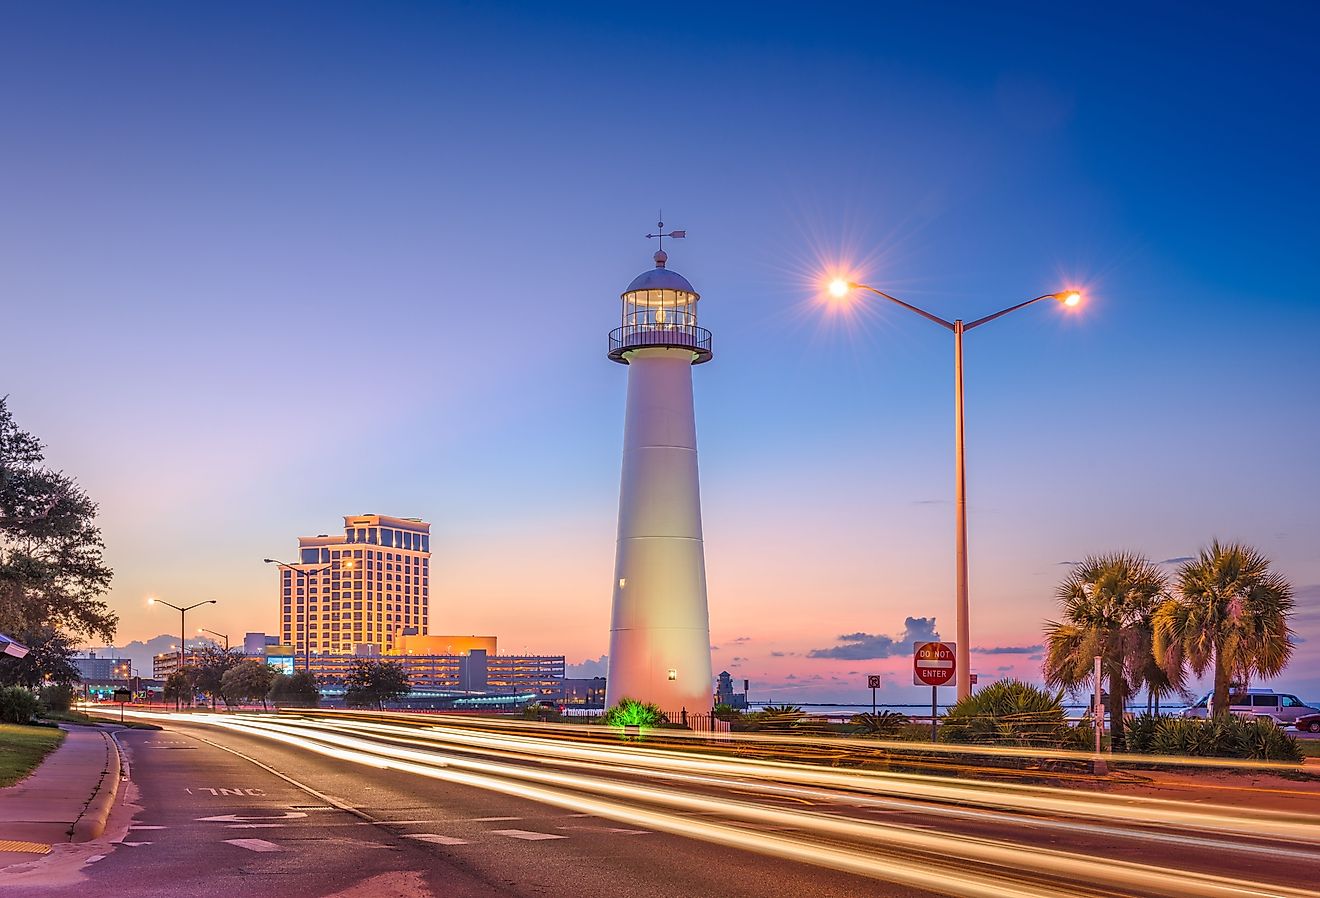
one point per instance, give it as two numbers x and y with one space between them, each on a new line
66 799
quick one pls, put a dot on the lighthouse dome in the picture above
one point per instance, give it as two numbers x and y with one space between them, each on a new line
661 278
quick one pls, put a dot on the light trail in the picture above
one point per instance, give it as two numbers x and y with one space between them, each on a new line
955 864
955 795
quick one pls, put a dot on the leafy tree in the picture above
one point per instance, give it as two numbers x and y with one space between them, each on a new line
179 686
1230 615
1108 603
247 681
298 689
209 666
18 704
52 575
1008 712
47 660
373 683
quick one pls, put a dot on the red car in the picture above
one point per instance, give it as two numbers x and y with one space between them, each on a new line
1308 724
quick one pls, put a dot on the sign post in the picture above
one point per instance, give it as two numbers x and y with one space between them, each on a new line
873 682
122 695
934 664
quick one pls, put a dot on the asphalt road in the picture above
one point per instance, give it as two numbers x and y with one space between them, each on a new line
228 810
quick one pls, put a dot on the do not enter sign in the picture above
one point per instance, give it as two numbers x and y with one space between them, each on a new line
932 663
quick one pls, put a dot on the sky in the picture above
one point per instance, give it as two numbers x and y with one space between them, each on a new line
263 266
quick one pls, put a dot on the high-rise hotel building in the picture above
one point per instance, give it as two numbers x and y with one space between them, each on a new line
357 593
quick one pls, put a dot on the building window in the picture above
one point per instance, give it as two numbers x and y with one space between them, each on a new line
310 556
386 537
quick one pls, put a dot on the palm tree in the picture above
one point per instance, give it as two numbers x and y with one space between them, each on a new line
1231 613
1108 602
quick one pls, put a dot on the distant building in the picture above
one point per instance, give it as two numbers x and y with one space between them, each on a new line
363 588
724 694
583 692
93 668
473 672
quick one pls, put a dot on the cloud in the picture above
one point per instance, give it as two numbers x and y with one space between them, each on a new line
930 502
860 646
736 659
1007 649
1179 560
1068 563
741 639
588 668
791 677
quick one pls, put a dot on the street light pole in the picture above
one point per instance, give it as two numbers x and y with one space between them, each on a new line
223 636
307 603
962 611
183 627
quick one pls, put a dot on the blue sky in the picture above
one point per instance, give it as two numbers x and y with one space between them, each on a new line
270 266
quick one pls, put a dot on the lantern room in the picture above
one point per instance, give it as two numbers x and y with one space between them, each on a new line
659 311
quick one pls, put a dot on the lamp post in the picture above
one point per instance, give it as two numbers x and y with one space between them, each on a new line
307 602
213 633
1069 298
183 627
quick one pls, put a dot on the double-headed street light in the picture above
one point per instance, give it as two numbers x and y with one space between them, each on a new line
306 574
183 627
840 288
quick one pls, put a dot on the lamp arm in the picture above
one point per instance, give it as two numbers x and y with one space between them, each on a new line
907 305
988 318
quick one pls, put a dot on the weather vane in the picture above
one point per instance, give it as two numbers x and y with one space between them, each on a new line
676 235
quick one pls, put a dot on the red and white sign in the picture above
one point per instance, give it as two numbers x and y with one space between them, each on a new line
933 663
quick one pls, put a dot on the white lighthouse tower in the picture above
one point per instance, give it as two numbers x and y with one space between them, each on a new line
660 629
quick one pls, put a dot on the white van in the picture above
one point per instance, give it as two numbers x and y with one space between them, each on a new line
1279 707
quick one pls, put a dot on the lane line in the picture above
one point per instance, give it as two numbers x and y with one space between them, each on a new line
436 839
525 835
254 844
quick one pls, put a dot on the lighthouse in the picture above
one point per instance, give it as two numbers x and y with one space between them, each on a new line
659 626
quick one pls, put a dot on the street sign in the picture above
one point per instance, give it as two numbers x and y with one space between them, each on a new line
933 663
123 695
873 681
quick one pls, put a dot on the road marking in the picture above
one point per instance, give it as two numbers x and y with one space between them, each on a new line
488 819
436 839
241 793
255 825
525 835
238 818
143 826
26 847
254 844
134 844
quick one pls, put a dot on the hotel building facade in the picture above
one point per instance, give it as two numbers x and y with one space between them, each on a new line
357 593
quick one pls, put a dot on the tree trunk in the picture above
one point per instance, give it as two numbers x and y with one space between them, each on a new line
1220 702
1157 704
1117 741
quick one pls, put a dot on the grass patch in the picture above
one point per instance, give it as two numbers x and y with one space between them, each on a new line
1310 747
22 748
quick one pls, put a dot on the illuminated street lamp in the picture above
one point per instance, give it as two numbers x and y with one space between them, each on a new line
183 627
223 636
306 574
839 287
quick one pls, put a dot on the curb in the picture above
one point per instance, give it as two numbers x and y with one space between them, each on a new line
91 822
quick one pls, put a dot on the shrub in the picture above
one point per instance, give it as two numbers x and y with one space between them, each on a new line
1224 737
57 697
630 712
725 712
537 711
17 704
886 724
774 719
1140 732
1009 712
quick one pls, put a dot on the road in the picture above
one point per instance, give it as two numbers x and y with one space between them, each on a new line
266 805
